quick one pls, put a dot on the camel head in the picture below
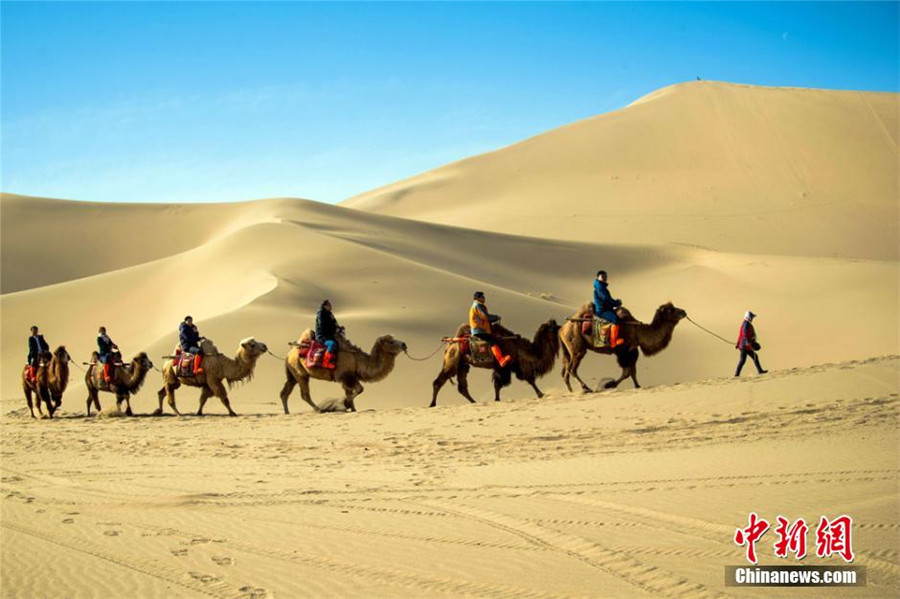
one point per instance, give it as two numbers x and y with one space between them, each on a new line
390 345
143 360
668 312
251 347
552 326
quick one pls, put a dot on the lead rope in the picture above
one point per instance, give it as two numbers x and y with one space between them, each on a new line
708 331
431 355
274 356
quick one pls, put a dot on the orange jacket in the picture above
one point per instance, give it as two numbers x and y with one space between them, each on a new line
478 318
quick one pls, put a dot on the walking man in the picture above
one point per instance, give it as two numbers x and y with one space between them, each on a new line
747 344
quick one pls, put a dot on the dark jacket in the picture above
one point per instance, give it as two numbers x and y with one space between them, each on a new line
36 346
188 336
326 325
747 336
105 345
603 301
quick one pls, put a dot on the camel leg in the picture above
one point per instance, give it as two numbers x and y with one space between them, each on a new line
566 363
92 400
351 392
501 378
45 394
168 393
305 394
286 390
205 393
534 386
219 391
127 399
462 381
573 368
27 391
439 382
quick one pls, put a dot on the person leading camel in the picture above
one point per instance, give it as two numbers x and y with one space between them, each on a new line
189 337
605 307
106 352
480 322
36 348
747 344
327 328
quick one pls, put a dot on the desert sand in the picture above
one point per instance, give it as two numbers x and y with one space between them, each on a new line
719 198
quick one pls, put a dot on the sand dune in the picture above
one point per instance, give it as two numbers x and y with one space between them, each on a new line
630 494
727 167
415 280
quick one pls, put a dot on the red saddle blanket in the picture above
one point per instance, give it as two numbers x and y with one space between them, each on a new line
313 351
184 364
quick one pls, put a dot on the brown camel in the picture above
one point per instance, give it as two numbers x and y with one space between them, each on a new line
126 380
353 367
50 381
216 369
650 338
531 360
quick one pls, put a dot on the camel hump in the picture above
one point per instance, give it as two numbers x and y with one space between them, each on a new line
208 348
306 335
584 311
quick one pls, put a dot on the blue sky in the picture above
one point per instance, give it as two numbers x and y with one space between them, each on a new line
202 101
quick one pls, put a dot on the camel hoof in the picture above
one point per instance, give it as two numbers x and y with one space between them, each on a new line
157 412
610 385
232 413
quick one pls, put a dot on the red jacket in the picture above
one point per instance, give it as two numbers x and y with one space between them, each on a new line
747 336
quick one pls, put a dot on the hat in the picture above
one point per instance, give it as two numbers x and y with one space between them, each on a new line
749 315
478 294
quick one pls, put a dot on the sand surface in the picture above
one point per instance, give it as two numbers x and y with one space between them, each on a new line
621 494
719 198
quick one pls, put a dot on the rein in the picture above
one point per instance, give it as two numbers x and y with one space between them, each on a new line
708 331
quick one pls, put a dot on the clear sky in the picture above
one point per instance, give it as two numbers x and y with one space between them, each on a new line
203 101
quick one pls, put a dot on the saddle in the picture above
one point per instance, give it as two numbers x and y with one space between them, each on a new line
598 332
184 364
479 350
313 351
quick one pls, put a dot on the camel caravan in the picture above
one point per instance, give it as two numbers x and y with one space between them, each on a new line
325 353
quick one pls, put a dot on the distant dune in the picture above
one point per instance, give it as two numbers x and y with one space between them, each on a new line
728 167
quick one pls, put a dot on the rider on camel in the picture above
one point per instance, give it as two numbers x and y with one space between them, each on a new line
36 348
605 307
327 328
189 337
480 322
107 351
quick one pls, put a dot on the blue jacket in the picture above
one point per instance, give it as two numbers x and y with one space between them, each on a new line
603 301
188 336
105 345
326 325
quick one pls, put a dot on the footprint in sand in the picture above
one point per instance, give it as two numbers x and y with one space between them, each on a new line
111 533
254 593
204 578
69 521
199 541
179 552
222 561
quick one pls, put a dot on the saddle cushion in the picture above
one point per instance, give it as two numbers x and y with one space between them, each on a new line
185 364
601 330
315 354
480 351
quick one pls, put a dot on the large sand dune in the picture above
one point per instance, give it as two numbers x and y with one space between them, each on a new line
720 198
728 167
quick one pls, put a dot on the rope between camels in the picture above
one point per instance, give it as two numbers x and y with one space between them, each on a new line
75 364
431 355
708 331
274 356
